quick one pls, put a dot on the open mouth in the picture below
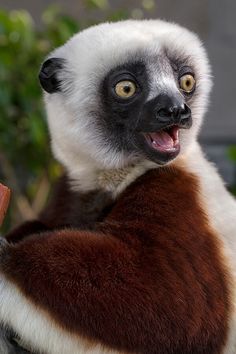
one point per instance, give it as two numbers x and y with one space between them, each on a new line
165 140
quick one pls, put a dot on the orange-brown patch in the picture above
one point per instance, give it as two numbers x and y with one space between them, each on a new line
4 201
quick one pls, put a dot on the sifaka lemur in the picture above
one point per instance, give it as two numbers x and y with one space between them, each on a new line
136 252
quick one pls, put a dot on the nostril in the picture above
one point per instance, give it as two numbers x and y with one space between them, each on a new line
163 115
175 111
172 111
185 118
185 112
163 112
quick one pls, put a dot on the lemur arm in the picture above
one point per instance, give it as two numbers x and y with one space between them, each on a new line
72 279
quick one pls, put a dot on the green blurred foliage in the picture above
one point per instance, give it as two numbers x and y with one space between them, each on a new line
25 157
232 153
26 163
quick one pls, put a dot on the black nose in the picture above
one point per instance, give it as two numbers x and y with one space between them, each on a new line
172 111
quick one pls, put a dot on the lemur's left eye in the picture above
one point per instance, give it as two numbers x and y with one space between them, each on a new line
125 89
187 83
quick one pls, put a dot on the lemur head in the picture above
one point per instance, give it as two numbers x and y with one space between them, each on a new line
118 93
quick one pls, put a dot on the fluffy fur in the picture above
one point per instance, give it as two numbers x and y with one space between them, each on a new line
129 256
89 56
130 282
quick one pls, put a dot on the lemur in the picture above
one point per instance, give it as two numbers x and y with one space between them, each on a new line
136 253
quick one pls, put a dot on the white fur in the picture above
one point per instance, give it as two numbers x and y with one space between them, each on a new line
37 330
114 181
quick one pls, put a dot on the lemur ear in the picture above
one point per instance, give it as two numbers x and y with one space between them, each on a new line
48 75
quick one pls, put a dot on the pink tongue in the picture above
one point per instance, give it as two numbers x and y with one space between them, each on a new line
162 139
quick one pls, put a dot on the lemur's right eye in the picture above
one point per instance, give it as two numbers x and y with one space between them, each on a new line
187 83
125 89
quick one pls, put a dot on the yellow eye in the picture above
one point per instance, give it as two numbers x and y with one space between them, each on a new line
125 89
187 83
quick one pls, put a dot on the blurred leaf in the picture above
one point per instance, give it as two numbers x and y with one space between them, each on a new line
148 5
50 14
97 4
118 16
232 153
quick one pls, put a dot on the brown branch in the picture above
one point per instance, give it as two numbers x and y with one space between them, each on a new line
22 203
41 195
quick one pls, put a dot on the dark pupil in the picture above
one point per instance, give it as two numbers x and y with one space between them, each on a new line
127 89
188 83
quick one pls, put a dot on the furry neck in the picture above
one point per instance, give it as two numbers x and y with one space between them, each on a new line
113 181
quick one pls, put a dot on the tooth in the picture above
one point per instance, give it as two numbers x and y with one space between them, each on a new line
177 135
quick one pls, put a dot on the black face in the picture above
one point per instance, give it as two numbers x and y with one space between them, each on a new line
132 122
147 128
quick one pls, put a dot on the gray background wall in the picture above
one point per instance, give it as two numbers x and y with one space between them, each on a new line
215 22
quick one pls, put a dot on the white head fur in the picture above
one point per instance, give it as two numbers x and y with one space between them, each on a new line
78 141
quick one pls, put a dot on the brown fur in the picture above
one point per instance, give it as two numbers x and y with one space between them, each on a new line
148 279
69 208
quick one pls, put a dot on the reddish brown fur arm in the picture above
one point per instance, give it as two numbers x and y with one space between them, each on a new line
149 280
99 287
